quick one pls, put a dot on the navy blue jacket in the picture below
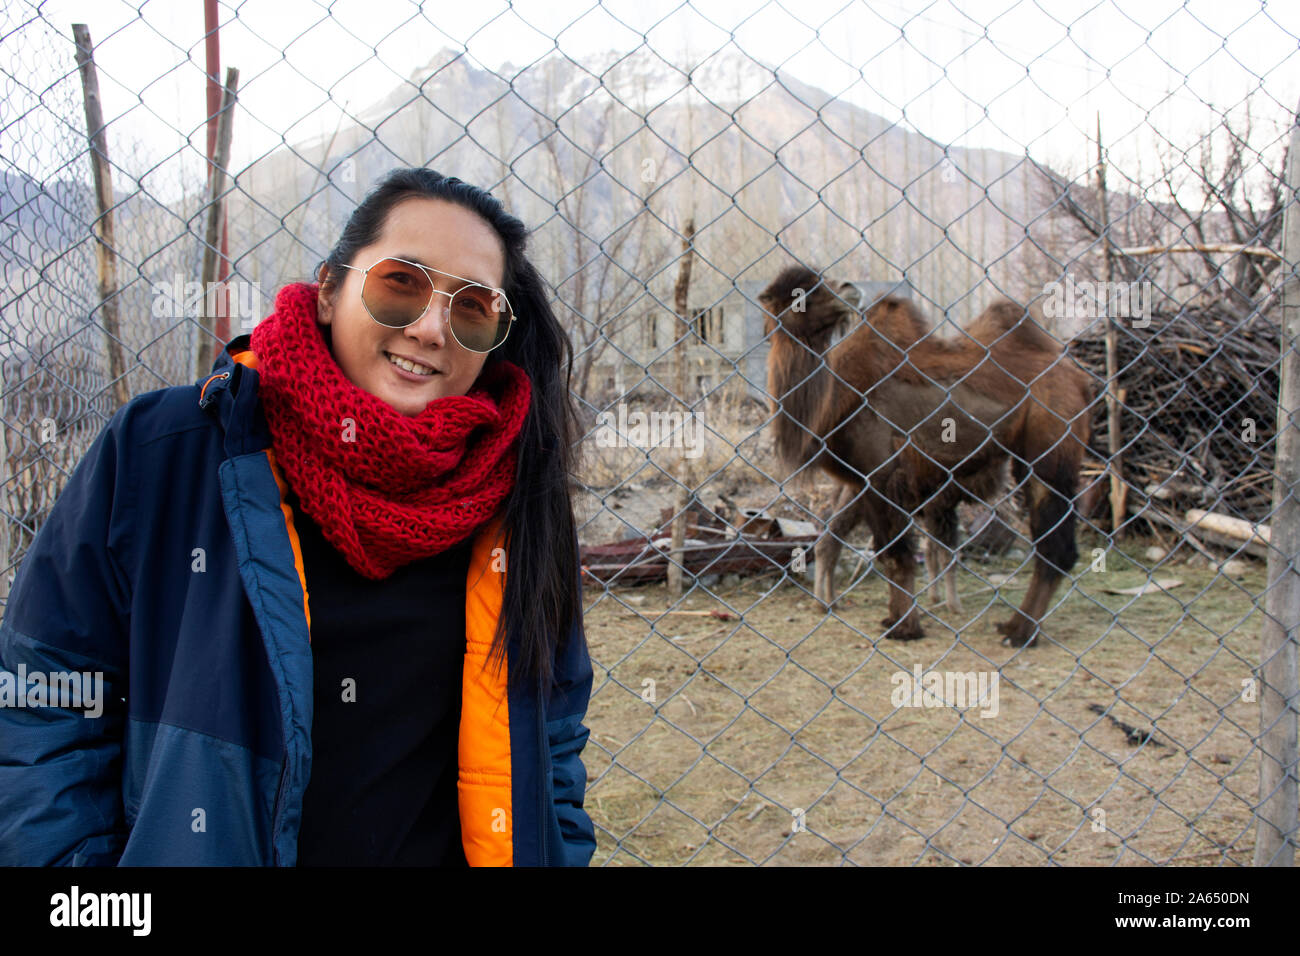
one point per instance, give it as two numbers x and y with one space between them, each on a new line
170 565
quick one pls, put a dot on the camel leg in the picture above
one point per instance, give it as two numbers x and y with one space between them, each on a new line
893 542
933 563
941 555
1021 629
843 516
826 552
1051 520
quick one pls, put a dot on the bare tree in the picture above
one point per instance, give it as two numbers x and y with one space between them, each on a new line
1225 207
599 268
1215 200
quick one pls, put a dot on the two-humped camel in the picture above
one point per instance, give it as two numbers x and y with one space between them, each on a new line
910 423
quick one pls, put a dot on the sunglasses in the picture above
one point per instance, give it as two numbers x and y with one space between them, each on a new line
397 293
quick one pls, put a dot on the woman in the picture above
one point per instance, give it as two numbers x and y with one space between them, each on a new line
292 579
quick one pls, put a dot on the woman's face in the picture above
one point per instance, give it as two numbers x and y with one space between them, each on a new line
435 233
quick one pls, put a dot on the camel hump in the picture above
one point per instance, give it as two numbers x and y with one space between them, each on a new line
899 320
1005 323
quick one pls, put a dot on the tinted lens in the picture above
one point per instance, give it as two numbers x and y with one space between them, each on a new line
396 293
480 318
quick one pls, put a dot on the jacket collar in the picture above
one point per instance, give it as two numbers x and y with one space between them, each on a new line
229 394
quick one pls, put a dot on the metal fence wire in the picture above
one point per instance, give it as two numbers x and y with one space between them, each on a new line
820 464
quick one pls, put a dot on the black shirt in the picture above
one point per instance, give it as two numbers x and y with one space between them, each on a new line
384 764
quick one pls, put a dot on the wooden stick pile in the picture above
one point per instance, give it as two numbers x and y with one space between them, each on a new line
1199 412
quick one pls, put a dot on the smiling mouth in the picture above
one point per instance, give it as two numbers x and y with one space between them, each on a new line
409 366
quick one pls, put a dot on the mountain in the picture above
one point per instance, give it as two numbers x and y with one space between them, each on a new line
767 165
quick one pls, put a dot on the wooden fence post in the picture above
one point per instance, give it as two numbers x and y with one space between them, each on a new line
1276 816
682 499
105 254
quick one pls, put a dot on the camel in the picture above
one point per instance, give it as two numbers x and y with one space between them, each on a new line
910 424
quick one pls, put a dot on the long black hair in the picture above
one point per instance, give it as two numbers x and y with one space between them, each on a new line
542 598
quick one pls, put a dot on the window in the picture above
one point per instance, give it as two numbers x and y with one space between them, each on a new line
708 325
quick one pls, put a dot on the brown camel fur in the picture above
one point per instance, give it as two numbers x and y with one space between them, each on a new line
910 424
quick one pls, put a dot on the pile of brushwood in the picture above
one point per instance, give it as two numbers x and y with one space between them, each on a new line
1199 413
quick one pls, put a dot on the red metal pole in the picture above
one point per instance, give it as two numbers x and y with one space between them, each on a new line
212 47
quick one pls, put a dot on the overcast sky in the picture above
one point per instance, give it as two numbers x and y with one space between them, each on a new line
1147 65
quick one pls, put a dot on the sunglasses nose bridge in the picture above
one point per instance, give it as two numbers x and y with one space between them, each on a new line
441 312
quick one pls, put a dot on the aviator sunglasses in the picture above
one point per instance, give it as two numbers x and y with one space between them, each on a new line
397 293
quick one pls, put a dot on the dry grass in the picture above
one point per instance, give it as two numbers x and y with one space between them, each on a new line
787 708
733 448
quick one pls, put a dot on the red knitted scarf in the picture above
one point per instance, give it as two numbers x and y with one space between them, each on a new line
387 489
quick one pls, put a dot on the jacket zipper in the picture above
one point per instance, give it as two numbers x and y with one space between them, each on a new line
275 813
543 753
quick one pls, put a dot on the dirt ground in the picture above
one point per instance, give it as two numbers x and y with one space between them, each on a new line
708 736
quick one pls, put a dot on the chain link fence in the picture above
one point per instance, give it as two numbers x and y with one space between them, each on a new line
750 484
